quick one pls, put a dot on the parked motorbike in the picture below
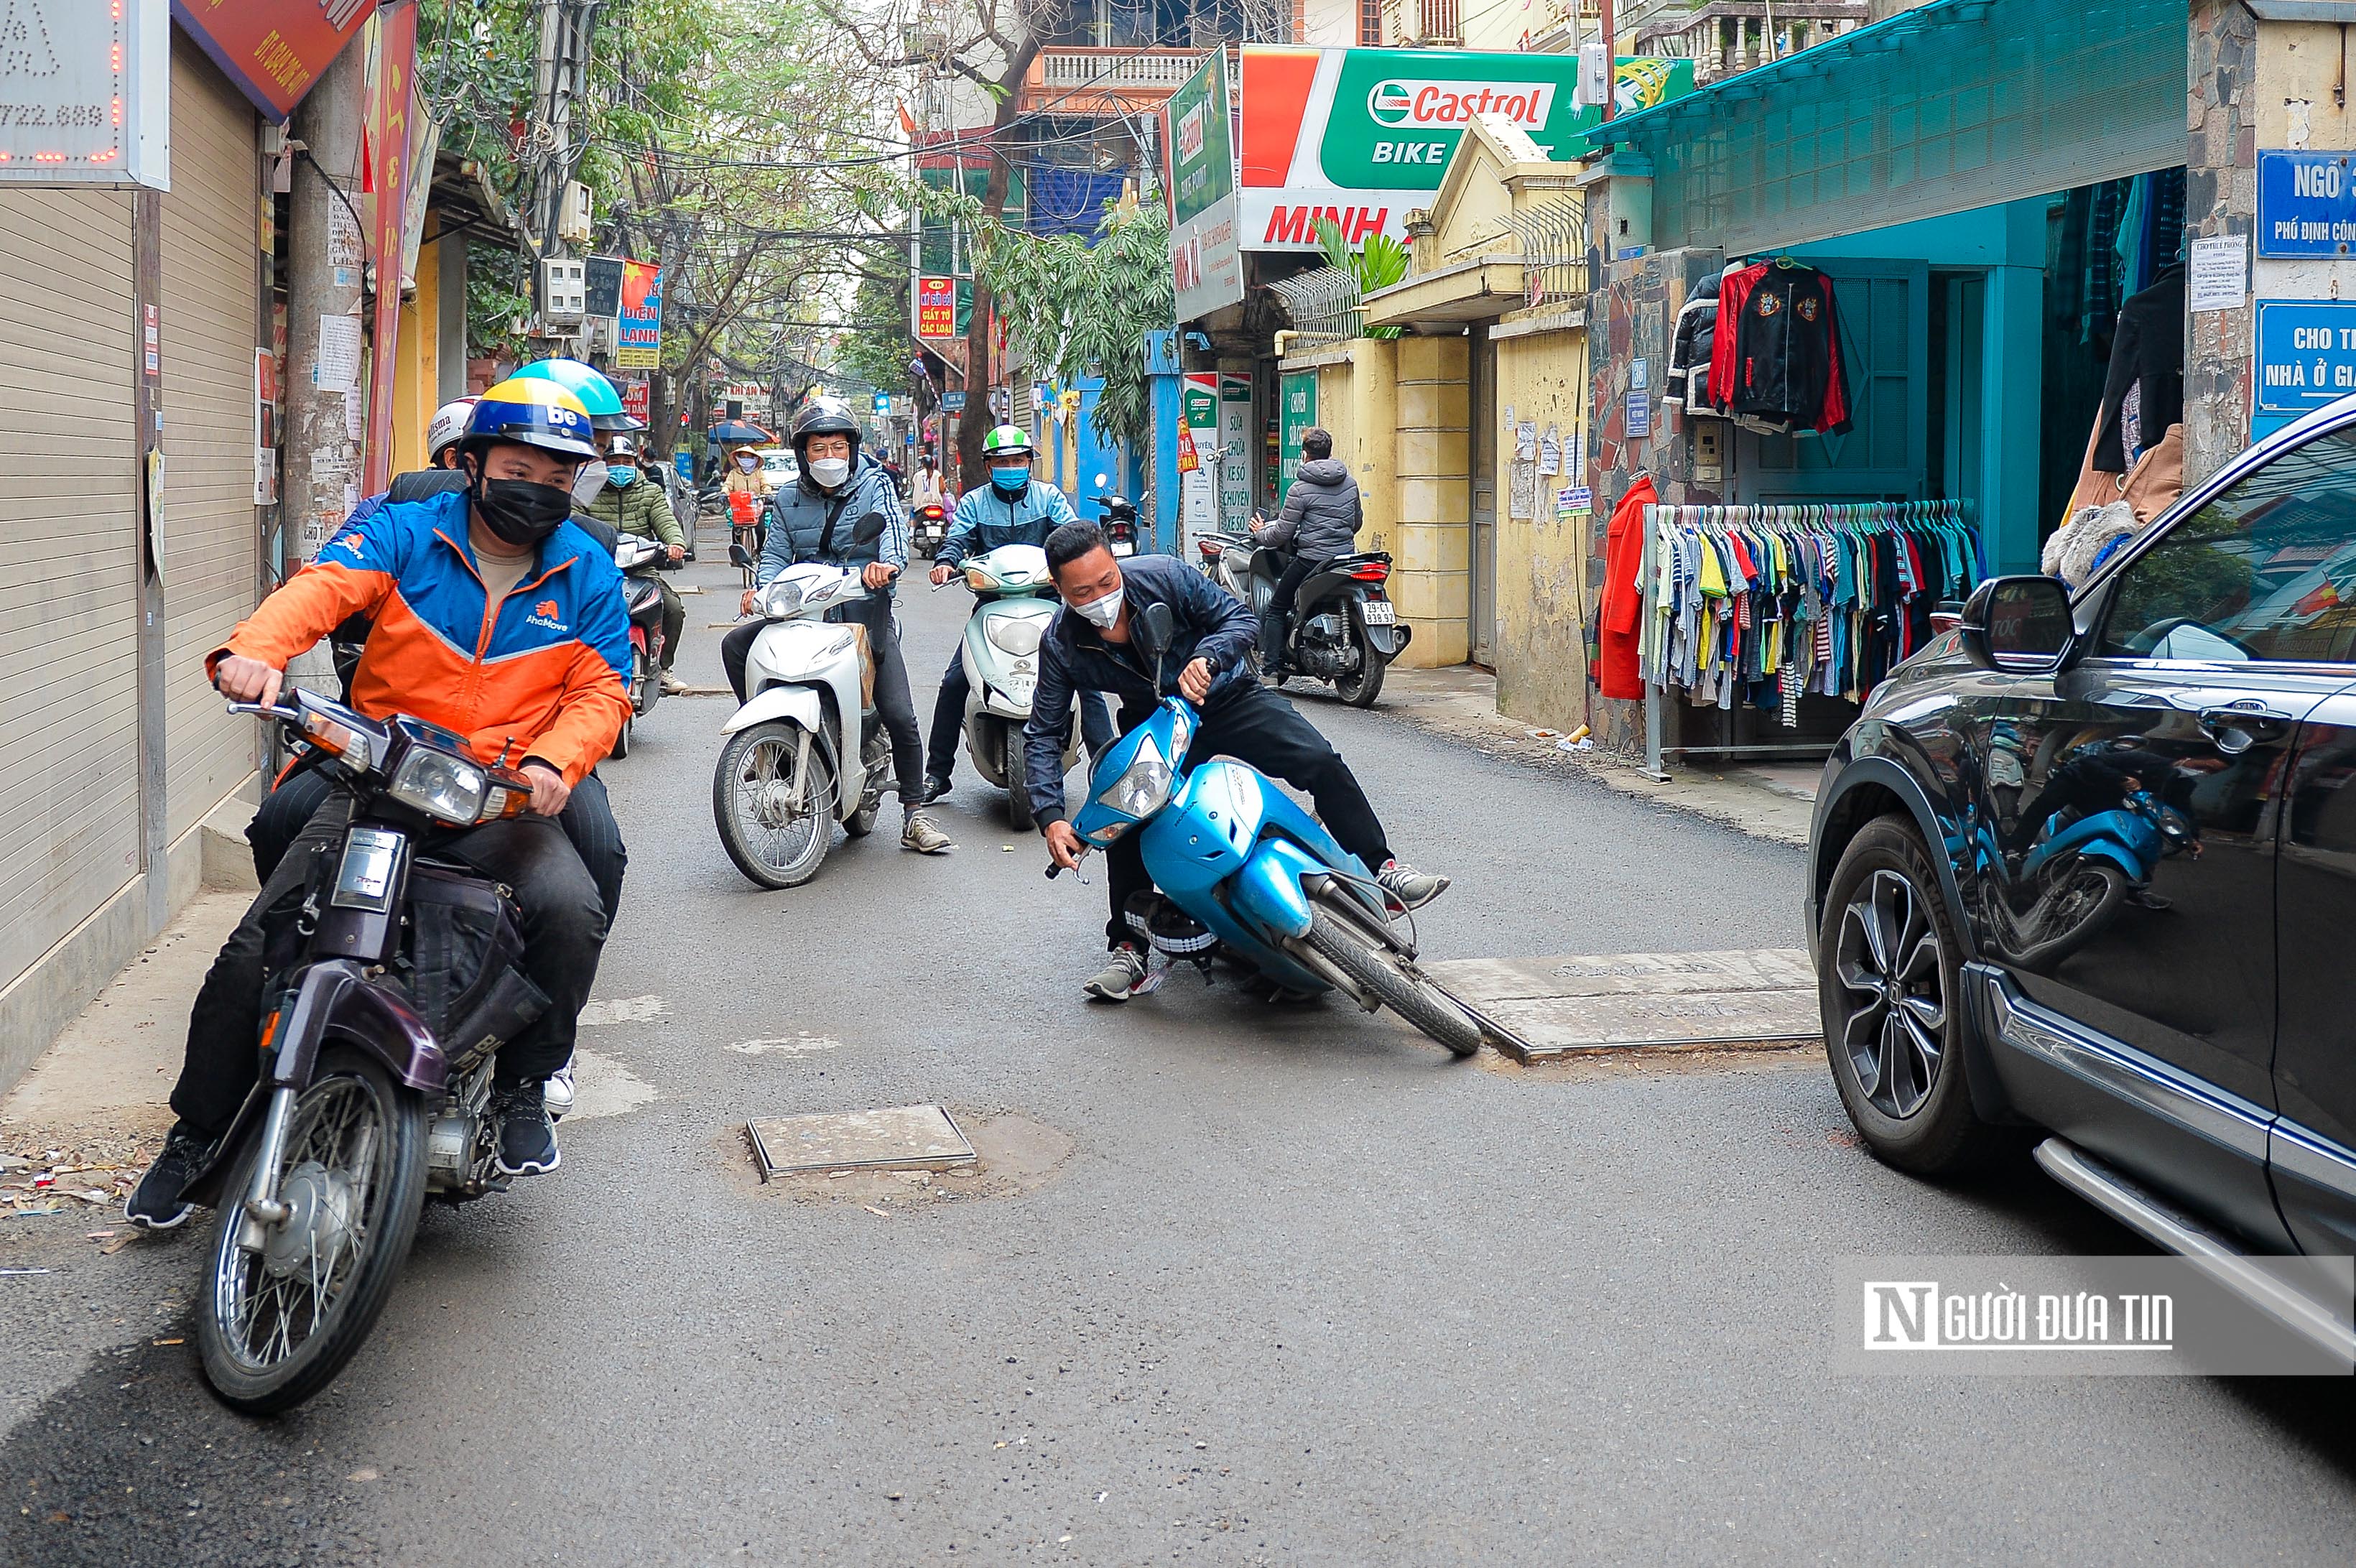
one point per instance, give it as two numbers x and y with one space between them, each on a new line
391 987
640 560
1344 628
928 530
1120 523
1241 868
1014 598
1227 561
807 749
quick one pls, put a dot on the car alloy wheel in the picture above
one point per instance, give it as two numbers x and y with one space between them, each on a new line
1890 966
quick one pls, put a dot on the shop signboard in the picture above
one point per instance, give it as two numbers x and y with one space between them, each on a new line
1198 489
388 134
1298 397
638 340
2305 357
85 94
1363 136
936 307
2307 203
952 402
274 50
1235 442
600 285
634 399
1204 262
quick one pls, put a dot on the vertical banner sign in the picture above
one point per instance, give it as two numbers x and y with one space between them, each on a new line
1235 440
274 50
639 342
389 137
1205 264
936 307
1198 489
1363 136
1298 395
635 398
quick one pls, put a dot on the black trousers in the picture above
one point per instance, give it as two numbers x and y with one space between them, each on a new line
893 704
1275 623
587 820
1254 724
948 720
674 622
563 932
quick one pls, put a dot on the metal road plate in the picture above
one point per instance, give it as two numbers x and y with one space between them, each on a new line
1563 1007
904 1138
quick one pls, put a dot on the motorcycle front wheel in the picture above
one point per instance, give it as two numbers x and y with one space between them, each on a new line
275 1326
1018 797
1417 1001
774 841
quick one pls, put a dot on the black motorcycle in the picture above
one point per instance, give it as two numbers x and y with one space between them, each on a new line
1344 630
640 558
392 981
1120 523
928 530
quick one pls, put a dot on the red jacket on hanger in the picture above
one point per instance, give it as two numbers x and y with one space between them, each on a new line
1777 356
1623 612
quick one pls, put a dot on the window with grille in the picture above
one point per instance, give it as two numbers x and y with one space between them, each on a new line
1370 22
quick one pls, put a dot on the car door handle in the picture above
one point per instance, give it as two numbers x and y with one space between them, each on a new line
2236 729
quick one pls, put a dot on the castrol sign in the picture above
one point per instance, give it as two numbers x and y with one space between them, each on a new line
1362 136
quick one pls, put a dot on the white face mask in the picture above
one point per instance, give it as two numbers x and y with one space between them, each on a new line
829 472
1101 613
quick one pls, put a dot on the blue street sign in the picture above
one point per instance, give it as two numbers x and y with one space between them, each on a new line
952 402
2306 204
2306 354
884 403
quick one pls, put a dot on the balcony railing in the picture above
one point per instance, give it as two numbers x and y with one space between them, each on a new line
1155 72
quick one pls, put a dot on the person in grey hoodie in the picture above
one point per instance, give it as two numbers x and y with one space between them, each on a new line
1320 521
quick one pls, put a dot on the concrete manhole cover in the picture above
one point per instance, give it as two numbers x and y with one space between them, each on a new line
904 1138
1564 1006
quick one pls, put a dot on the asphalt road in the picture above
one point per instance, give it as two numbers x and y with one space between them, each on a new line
1243 1284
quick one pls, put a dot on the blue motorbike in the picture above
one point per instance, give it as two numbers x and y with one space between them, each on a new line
2077 876
1241 868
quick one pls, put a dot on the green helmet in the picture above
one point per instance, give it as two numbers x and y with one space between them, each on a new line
1006 441
590 385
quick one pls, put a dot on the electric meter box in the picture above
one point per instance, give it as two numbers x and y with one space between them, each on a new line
564 292
573 223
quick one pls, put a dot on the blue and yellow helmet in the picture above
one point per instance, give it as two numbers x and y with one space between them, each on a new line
589 384
532 412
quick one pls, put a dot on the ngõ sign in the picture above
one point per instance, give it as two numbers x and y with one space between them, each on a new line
1362 135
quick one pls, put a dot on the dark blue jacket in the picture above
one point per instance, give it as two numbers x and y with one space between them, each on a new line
986 516
800 515
1211 623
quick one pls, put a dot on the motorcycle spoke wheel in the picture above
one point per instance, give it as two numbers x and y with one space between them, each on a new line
775 840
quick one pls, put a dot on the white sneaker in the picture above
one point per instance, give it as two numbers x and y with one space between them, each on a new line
557 1092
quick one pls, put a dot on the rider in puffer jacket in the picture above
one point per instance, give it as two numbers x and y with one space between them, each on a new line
1320 521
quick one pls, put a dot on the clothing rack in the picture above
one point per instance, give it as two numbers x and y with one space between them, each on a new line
1755 606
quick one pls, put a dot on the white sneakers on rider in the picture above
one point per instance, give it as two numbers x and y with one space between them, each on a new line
556 1094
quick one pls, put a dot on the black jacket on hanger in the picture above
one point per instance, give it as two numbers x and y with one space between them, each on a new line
2147 351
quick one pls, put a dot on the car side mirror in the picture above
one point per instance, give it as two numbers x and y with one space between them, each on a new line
870 528
739 557
2020 624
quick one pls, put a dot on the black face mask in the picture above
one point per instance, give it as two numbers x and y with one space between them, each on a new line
519 511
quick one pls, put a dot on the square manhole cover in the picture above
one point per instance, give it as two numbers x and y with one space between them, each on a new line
904 1138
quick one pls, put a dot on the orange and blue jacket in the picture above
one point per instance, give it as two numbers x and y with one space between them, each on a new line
540 674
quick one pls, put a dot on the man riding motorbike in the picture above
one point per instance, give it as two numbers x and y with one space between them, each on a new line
497 617
1320 521
1012 509
814 521
632 504
1091 645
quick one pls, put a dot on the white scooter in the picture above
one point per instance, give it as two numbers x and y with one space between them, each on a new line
1014 598
807 749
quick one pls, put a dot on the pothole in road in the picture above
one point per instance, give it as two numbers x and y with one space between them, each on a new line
1012 1155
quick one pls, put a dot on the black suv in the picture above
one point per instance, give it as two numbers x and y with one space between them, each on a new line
2088 864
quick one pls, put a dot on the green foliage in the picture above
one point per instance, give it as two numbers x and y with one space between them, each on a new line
1378 263
1076 309
495 300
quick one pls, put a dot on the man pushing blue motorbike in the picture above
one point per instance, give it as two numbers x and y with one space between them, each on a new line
1312 905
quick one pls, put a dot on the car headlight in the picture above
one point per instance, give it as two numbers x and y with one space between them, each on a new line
447 788
1143 787
1017 635
781 599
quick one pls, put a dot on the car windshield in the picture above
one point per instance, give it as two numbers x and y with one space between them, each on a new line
781 466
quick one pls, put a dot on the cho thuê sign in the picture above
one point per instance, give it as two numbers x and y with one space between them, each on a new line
274 50
1362 136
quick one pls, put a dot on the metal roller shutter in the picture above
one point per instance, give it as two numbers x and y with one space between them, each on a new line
68 719
212 542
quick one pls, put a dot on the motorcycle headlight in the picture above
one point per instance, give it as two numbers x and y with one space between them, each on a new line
447 788
781 599
1018 637
1143 787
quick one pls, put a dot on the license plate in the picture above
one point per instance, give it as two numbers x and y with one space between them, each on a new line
1122 547
1380 612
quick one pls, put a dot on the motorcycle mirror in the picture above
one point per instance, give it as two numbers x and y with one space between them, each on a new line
1102 481
870 528
1159 626
739 557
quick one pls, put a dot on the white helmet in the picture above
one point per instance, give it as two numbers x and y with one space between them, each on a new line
449 428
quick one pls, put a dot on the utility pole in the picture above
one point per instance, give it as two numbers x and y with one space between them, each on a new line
565 27
325 262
